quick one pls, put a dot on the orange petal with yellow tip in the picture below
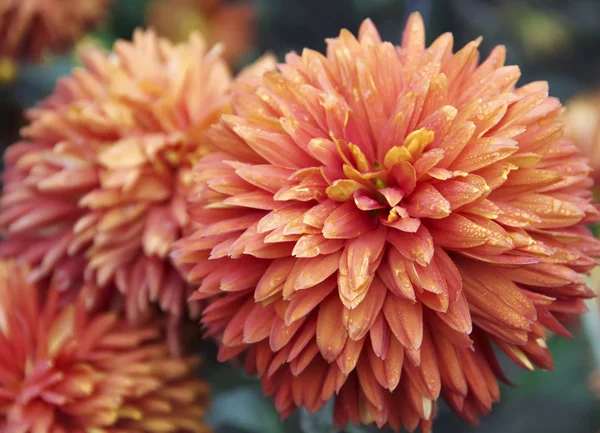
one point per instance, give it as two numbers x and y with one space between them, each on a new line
342 189
516 354
418 140
397 155
537 352
420 404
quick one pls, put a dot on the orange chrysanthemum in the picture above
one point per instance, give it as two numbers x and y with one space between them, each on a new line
100 181
582 118
62 371
231 24
375 217
31 28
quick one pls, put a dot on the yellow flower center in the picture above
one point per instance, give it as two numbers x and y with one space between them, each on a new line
370 178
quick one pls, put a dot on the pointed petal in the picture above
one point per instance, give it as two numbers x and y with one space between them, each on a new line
331 335
405 319
359 320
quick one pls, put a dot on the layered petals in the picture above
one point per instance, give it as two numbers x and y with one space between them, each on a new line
96 191
418 207
69 371
34 28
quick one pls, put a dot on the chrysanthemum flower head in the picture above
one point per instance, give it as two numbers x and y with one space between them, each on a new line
375 217
582 118
31 28
63 371
99 181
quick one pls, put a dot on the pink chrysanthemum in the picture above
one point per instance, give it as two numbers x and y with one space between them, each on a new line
31 28
582 118
375 217
62 371
99 183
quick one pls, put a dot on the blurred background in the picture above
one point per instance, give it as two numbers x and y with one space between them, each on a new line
553 40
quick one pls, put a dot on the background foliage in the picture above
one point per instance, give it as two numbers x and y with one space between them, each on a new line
553 40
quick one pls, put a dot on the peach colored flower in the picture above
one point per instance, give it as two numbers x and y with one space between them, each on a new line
97 188
582 118
231 24
374 218
64 371
31 28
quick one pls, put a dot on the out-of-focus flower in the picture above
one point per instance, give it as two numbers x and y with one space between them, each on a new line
231 24
582 118
62 371
8 70
374 218
541 32
87 43
31 28
592 330
99 182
